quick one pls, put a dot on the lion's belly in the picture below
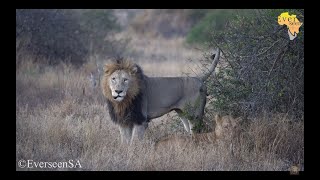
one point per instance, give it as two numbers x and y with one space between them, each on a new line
156 114
165 94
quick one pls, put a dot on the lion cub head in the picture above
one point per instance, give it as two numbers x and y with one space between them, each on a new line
225 126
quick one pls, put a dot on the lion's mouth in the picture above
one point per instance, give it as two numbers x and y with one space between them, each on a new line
118 98
115 97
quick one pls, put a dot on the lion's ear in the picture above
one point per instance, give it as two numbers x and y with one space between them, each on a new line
218 118
134 69
106 69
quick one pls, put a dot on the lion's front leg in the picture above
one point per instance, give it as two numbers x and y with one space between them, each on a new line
140 130
126 134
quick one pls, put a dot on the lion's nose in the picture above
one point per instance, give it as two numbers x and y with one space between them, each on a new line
118 91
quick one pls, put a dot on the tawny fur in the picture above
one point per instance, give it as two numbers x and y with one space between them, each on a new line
223 131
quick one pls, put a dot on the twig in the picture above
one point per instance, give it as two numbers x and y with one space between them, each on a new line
281 54
263 51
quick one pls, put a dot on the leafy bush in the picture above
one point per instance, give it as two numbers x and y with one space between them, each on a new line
261 69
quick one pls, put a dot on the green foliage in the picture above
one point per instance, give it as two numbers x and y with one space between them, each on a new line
207 21
261 69
195 15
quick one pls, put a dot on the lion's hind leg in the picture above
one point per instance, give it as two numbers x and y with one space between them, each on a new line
197 121
186 122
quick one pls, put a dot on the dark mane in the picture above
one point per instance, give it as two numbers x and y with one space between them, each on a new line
133 114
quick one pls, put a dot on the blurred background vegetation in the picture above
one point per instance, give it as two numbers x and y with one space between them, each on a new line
56 35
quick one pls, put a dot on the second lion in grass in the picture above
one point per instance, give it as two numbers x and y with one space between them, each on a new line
223 131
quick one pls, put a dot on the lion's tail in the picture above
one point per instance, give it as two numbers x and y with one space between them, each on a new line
215 57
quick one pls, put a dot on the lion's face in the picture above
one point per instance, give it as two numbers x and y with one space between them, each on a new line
119 83
224 126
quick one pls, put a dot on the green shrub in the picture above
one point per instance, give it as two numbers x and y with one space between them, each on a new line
261 69
208 21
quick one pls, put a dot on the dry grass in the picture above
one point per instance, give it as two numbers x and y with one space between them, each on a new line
59 117
56 122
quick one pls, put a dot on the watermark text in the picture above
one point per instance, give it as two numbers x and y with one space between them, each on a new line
49 165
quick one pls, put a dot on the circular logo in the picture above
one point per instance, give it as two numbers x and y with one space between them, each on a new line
22 163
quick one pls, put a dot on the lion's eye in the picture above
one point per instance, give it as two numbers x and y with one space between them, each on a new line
113 79
125 80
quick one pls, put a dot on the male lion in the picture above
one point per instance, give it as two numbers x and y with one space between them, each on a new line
133 99
224 130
